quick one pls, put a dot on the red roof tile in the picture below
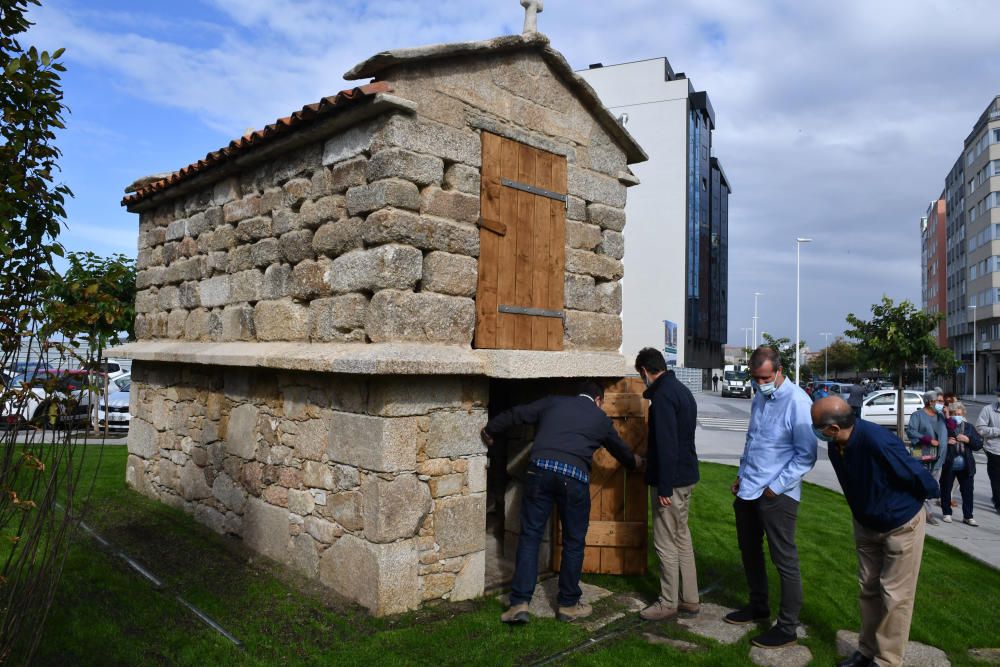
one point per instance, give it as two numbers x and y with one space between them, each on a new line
281 127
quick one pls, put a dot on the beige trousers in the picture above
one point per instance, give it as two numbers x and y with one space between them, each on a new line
888 566
672 541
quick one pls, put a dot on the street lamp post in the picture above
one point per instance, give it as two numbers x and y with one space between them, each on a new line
798 246
974 345
746 343
826 355
755 295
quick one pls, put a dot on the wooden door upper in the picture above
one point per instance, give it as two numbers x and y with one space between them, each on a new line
522 238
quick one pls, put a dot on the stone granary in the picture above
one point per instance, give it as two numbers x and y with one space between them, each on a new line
329 307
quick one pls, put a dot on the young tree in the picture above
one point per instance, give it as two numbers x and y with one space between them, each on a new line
840 356
785 350
895 337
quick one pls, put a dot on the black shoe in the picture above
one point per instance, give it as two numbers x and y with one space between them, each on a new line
856 660
746 615
775 638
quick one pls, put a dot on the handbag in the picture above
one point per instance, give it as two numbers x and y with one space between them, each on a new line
958 463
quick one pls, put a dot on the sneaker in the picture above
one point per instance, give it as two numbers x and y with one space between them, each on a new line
746 615
775 638
688 609
970 522
517 614
658 611
947 518
577 611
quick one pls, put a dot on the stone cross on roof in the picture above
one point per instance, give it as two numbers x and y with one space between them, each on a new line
531 10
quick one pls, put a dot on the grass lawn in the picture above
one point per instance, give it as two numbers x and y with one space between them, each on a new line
104 614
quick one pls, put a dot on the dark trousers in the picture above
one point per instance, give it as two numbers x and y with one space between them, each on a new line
965 487
571 497
993 470
774 517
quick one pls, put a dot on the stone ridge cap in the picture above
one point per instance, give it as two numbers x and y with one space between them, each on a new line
384 60
382 358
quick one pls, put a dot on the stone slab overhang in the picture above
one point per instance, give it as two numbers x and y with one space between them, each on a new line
381 62
383 359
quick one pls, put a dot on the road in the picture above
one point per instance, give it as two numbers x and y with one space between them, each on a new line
721 434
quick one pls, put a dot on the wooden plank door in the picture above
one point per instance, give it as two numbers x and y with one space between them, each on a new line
522 240
617 539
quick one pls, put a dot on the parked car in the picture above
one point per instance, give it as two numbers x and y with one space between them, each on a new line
880 407
53 398
833 388
118 416
736 381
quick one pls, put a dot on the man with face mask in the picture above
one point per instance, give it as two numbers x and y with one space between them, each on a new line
885 488
988 426
780 449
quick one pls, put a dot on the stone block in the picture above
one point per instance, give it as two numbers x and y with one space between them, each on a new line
136 476
281 320
450 204
609 297
214 291
422 135
176 323
337 238
309 439
229 493
593 331
470 580
347 144
596 187
304 555
347 174
313 214
197 224
296 191
606 217
297 246
237 323
345 509
265 252
384 578
580 292
401 163
446 273
177 230
296 163
395 316
395 508
246 285
146 301
241 209
591 264
310 279
340 318
612 244
375 443
266 529
427 233
284 220
241 433
321 530
447 485
477 474
460 525
223 238
462 178
388 192
277 282
582 235
142 439
202 324
253 229
241 258
387 266
455 433
210 517
395 397
193 483
300 502
225 191
188 295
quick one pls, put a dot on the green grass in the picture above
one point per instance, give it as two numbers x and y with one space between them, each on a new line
104 614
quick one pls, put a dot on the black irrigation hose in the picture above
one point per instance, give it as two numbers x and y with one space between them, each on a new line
158 584
589 642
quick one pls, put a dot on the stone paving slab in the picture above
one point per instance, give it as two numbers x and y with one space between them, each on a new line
621 605
708 623
987 655
796 655
916 655
545 602
679 644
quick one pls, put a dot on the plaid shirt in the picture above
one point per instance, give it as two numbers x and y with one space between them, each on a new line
562 469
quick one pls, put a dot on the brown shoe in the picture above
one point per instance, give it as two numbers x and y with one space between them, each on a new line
689 609
517 614
658 611
577 611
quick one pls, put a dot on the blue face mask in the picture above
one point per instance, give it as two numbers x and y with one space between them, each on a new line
822 436
767 388
939 407
959 419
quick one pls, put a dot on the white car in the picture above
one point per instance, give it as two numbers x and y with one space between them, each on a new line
118 415
880 406
50 398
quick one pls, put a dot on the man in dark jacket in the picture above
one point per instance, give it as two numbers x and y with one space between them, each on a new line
671 473
885 487
569 429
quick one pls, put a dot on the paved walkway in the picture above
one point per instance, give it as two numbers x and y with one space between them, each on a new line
725 446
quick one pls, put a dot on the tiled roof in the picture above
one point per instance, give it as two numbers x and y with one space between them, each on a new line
252 140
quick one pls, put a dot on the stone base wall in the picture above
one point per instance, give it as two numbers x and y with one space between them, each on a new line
375 486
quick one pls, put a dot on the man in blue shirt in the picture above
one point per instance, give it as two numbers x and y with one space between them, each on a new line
780 449
885 488
569 429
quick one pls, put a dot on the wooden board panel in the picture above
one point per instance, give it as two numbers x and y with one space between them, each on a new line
623 405
556 261
489 245
523 269
507 256
540 237
616 534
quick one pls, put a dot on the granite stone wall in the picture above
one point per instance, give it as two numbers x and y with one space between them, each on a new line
375 486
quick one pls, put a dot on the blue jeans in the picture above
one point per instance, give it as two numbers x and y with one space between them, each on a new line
542 488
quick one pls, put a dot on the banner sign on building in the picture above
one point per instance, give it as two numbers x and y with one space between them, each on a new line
670 342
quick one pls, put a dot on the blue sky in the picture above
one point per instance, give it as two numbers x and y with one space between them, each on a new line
836 121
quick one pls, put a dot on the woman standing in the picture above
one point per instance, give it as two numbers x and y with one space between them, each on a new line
959 463
928 434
